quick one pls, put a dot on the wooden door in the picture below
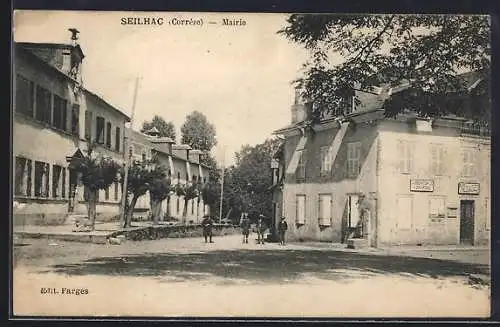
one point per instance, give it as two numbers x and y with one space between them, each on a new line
467 222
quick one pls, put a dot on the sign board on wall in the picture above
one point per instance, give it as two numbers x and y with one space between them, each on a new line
468 188
422 185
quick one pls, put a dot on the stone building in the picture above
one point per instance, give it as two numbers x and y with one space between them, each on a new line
54 119
423 181
183 166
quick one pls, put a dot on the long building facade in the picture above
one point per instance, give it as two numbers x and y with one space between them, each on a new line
422 181
55 118
183 167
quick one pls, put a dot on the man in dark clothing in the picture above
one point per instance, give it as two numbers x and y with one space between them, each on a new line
282 227
207 224
261 228
245 228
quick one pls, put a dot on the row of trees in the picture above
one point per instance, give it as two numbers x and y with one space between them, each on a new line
99 173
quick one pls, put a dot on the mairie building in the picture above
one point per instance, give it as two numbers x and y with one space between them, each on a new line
423 181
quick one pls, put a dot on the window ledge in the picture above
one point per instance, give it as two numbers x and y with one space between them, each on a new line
46 125
28 199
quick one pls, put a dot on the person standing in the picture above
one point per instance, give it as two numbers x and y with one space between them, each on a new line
261 228
245 228
282 227
207 224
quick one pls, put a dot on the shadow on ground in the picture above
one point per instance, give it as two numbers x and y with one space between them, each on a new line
266 266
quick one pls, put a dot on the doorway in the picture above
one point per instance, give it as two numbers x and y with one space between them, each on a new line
73 182
467 222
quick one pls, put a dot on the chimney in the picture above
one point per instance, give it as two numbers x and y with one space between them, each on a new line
298 109
74 36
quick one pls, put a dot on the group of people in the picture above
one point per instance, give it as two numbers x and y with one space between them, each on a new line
207 225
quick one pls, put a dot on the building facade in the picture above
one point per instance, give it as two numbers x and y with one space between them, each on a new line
421 181
54 119
183 167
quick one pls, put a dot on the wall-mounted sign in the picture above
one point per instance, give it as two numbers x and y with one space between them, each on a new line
274 164
468 188
452 212
422 185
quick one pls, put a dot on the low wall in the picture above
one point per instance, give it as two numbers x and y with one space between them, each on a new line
158 232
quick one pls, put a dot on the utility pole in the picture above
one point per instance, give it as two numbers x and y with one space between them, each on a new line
222 184
128 155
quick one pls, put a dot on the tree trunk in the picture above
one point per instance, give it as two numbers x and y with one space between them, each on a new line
130 212
155 211
168 207
184 211
91 206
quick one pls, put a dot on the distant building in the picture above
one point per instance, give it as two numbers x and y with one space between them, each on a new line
183 166
424 181
54 119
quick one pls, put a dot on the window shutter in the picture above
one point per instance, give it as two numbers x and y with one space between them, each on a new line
88 125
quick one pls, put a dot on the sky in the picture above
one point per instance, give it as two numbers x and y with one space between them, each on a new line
238 76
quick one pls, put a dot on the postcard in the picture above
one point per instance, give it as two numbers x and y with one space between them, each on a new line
184 164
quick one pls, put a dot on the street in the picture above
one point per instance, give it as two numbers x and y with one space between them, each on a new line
187 277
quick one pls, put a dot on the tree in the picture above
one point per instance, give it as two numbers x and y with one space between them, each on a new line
97 173
198 132
166 129
428 51
159 188
188 191
252 178
137 186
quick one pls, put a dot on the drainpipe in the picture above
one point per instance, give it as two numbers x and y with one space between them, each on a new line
377 196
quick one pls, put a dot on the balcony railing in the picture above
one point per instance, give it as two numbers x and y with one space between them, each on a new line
476 128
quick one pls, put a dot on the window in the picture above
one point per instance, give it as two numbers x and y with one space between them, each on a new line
25 93
108 135
178 177
88 125
468 163
43 105
406 155
437 208
192 206
75 119
178 204
301 166
116 191
99 132
438 157
60 113
41 179
106 193
23 177
300 204
325 209
404 213
117 139
144 157
56 180
353 157
63 183
325 157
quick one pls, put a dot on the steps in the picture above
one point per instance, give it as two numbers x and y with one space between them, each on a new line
357 243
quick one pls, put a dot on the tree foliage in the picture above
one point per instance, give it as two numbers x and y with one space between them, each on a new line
426 50
165 129
97 173
198 132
